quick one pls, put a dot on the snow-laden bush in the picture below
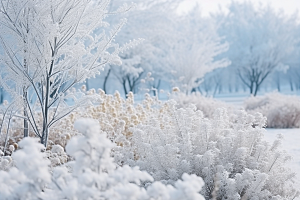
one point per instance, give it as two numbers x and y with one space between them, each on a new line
282 111
30 176
115 115
5 162
205 104
91 175
228 152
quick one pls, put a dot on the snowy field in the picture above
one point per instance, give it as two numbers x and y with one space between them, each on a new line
291 144
237 99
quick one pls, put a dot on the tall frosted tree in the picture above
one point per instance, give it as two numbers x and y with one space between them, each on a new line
49 46
260 40
195 50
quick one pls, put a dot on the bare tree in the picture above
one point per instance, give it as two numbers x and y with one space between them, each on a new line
130 73
260 40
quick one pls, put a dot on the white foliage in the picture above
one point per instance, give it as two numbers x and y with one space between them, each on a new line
221 150
195 50
49 46
92 174
206 105
282 111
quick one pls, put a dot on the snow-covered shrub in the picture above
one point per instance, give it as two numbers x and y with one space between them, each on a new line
115 115
59 134
282 111
57 155
29 176
95 175
5 161
91 175
205 104
228 152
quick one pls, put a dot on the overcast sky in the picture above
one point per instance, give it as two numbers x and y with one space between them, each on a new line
207 6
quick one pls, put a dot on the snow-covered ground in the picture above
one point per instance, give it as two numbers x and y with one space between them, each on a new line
291 143
237 99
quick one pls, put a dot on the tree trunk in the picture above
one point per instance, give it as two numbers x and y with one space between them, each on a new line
44 138
256 89
251 88
7 135
25 122
215 90
105 80
1 95
157 88
278 83
87 84
192 91
124 87
199 89
26 126
291 85
229 88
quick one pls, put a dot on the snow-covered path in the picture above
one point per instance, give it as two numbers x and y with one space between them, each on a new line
291 144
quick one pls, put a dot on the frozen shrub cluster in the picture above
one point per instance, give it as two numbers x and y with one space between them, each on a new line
282 111
168 141
228 152
206 105
91 175
115 115
57 155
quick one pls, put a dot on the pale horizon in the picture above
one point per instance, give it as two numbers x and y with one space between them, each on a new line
208 6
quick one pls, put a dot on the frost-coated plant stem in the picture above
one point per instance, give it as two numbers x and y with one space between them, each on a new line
9 111
25 89
7 135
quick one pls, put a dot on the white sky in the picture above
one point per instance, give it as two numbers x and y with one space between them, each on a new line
207 6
